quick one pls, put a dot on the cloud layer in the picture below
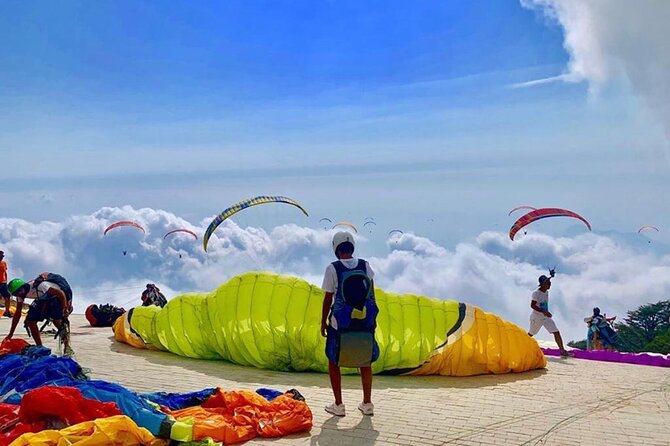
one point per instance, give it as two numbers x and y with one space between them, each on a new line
491 271
614 39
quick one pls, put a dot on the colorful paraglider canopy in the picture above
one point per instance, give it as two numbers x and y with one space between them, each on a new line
539 214
122 223
184 230
530 208
234 209
347 224
647 227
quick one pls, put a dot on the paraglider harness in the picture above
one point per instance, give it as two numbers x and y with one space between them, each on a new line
103 315
153 296
355 310
62 333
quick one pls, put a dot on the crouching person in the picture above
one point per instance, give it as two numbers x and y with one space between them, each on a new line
52 300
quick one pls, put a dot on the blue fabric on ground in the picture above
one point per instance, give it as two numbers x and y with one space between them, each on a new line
24 373
269 394
176 401
130 403
29 373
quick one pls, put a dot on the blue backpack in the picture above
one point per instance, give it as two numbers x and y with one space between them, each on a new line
354 307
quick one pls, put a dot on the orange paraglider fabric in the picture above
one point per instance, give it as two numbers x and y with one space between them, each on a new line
234 417
12 346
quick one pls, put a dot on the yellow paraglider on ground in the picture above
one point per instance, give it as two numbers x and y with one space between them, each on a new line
272 321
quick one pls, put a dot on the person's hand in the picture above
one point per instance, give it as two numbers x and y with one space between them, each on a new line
324 329
548 314
7 338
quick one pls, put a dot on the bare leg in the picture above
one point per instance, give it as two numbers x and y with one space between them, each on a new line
34 332
366 380
335 381
7 304
559 340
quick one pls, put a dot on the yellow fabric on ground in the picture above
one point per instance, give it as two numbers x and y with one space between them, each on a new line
272 321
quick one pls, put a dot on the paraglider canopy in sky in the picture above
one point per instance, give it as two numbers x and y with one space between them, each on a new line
647 228
183 230
347 224
123 223
237 207
539 214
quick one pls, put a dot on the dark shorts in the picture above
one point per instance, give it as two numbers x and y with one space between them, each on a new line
334 349
4 292
45 308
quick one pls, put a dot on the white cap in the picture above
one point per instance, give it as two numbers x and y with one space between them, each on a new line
342 237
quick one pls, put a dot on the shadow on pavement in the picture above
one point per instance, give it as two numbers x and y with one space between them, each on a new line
363 433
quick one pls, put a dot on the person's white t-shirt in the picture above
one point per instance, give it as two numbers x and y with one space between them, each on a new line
542 299
41 289
330 278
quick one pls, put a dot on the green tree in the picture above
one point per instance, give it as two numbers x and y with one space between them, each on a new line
660 344
578 344
641 326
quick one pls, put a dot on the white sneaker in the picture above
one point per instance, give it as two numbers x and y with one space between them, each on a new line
367 408
336 409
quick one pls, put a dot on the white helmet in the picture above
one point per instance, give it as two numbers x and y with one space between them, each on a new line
342 237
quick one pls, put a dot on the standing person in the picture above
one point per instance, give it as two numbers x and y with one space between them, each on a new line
3 285
52 301
348 321
541 317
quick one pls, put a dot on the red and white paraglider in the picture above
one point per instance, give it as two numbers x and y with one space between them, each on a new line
539 214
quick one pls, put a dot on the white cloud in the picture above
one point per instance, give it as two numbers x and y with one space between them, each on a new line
491 271
610 39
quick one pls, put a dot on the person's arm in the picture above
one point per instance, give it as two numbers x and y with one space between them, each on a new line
60 295
534 306
16 318
327 302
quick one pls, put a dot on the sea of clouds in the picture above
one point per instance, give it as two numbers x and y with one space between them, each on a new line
490 271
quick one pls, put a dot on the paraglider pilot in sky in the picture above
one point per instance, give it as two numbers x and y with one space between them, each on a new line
348 321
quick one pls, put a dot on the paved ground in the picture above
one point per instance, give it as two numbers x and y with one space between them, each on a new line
572 402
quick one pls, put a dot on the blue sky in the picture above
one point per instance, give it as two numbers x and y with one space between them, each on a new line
398 109
415 113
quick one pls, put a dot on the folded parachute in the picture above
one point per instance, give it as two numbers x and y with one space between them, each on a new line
272 321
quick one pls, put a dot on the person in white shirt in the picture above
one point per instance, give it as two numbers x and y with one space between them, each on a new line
348 321
51 302
541 317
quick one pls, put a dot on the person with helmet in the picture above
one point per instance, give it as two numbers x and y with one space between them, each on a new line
348 321
4 292
52 301
541 317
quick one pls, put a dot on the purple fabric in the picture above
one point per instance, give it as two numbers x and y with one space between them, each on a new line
628 358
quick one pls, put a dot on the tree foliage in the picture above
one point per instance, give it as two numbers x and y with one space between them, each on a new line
646 329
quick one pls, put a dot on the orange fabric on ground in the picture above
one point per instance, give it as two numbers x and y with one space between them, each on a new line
12 346
234 417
